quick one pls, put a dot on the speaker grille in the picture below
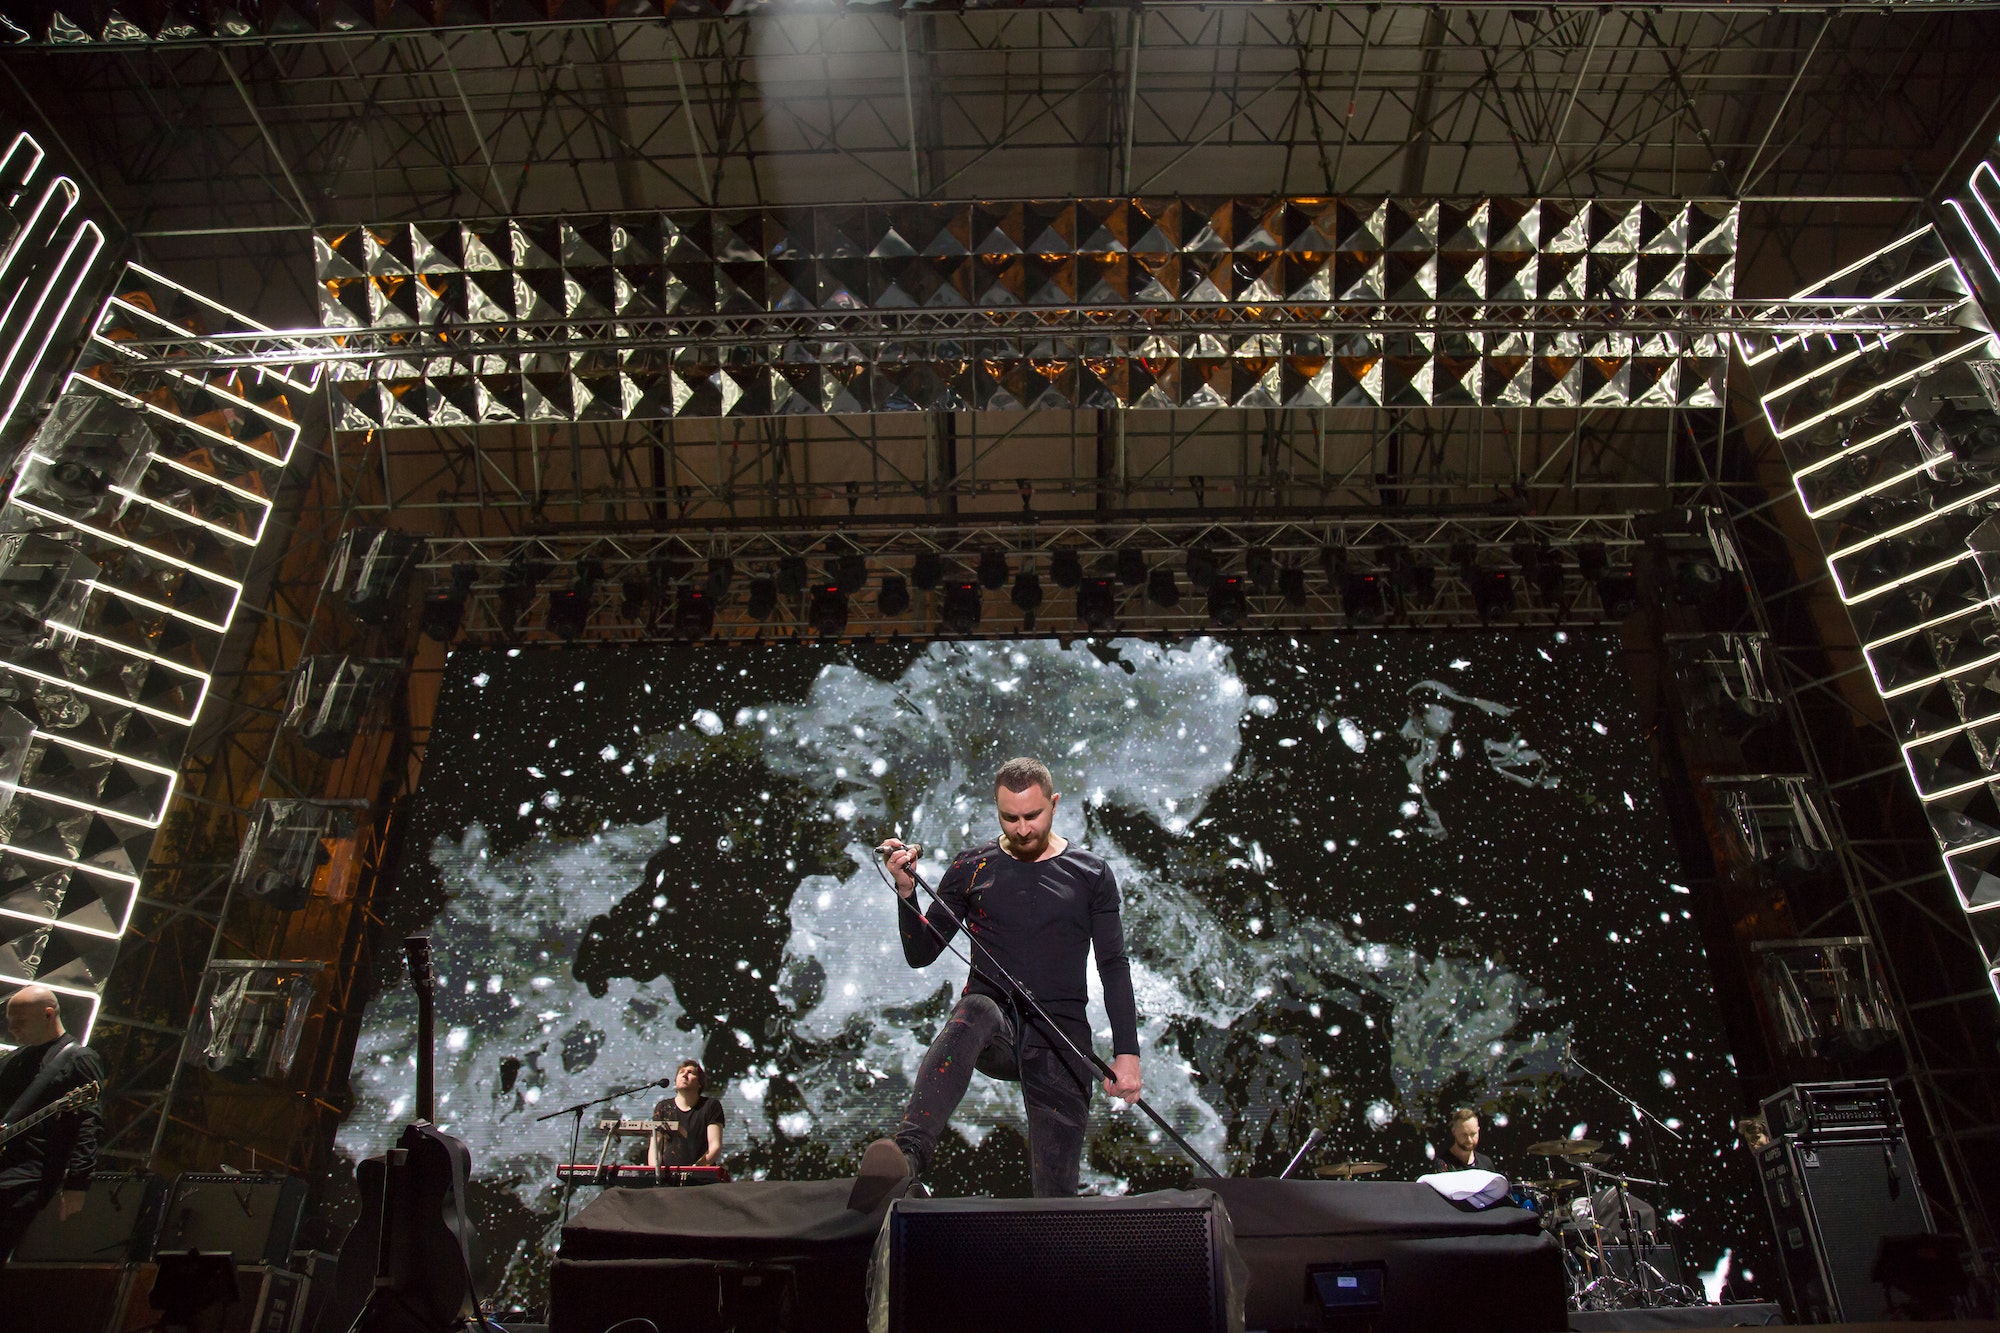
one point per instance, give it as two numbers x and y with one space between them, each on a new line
1149 1269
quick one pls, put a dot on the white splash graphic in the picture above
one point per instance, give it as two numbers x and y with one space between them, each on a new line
1151 729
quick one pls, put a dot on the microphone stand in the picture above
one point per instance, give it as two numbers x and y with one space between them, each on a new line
576 1130
1034 1006
1299 1156
1646 1121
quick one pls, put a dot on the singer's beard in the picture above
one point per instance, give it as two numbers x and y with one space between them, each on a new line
1022 851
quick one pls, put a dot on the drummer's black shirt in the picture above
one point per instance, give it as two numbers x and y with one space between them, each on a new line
1039 920
1447 1161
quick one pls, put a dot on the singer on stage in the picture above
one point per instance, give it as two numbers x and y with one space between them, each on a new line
1037 906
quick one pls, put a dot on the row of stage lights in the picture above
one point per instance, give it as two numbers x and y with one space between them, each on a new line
671 594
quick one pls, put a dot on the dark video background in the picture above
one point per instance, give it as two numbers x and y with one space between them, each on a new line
1366 879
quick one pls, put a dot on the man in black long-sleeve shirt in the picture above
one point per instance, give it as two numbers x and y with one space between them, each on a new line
1038 907
57 1156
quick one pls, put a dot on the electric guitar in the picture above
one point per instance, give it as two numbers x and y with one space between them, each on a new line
406 1267
73 1100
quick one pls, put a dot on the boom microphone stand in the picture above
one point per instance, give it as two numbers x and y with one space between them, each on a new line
1646 1121
1023 996
576 1130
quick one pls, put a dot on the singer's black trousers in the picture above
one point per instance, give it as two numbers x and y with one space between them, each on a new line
980 1034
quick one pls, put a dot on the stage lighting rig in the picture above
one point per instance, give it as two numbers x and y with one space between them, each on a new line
827 610
1131 566
1777 822
444 608
1201 566
285 847
1161 590
1260 568
721 574
1492 593
927 571
1027 594
1541 569
569 608
635 599
1227 605
894 598
518 584
1410 576
1096 603
1971 435
961 609
1292 586
1362 597
42 578
763 600
330 697
850 572
791 575
1066 567
694 611
370 569
86 459
992 569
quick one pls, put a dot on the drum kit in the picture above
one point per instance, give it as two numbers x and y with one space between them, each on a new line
1607 1233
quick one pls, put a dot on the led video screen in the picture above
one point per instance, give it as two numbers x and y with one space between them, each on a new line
1365 879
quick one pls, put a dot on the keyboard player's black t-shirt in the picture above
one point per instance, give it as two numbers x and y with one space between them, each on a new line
685 1144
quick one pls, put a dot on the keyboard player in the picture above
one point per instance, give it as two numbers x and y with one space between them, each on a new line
690 1132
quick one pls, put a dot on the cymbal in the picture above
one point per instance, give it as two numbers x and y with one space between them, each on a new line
1550 1182
1595 1158
1563 1148
1349 1170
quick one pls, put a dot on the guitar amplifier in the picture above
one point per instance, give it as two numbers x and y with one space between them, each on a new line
121 1215
253 1216
1835 1112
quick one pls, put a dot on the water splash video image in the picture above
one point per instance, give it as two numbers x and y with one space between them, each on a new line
1365 879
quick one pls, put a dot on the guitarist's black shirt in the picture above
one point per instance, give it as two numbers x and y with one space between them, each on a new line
62 1150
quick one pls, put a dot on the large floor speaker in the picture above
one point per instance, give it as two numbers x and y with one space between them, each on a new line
1831 1206
1160 1262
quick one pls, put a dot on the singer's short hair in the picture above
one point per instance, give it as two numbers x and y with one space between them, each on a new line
1459 1117
1021 774
700 1074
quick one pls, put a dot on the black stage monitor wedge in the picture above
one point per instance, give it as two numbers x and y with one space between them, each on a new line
1837 1180
121 1214
1163 1262
253 1216
1390 1255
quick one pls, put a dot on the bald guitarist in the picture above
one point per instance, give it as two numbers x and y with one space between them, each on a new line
53 1156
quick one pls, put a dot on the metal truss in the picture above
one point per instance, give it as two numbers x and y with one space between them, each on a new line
73 22
1416 573
210 150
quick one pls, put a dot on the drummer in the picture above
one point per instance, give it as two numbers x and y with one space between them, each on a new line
1460 1149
